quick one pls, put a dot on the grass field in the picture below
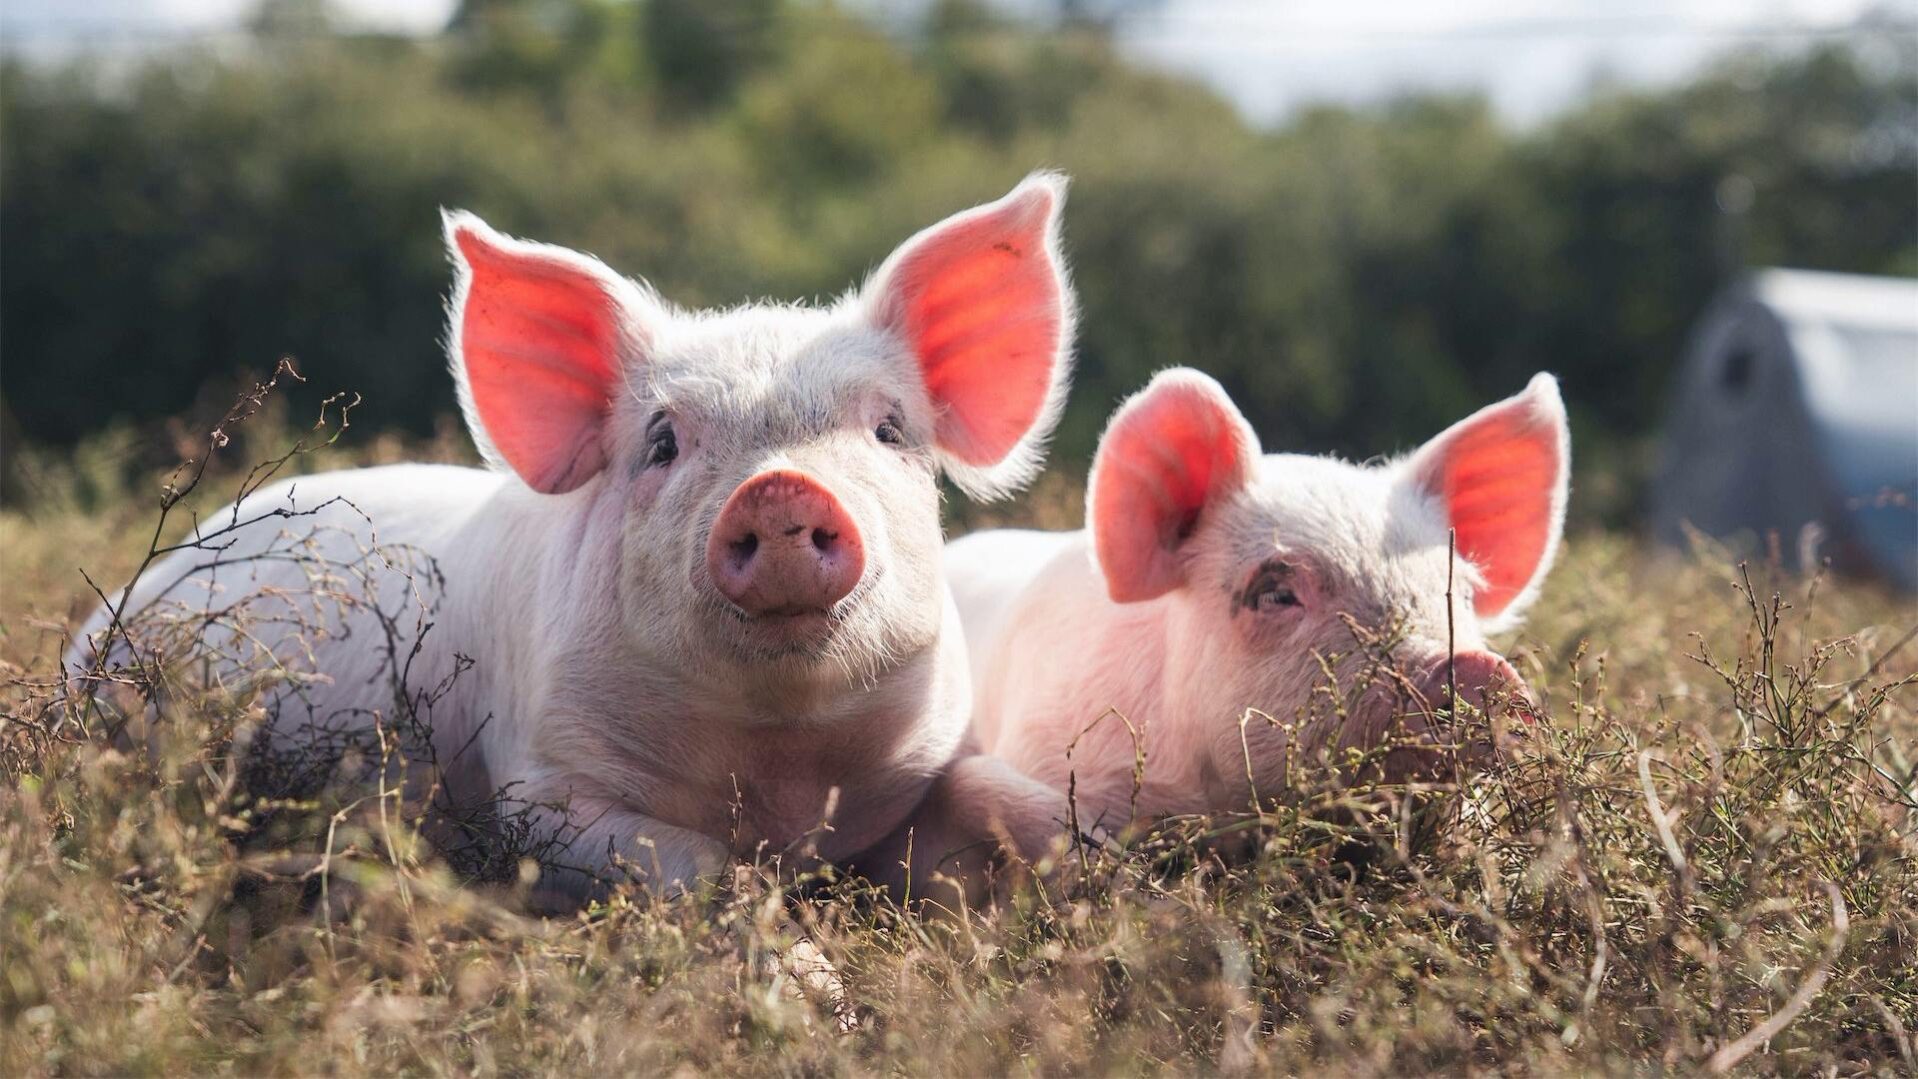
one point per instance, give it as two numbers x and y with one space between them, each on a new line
1709 862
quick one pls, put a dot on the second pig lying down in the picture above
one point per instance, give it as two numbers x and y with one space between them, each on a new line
1252 617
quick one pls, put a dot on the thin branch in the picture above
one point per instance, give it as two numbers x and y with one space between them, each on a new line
1728 1056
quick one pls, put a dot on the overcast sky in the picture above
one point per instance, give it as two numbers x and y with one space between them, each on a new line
1533 57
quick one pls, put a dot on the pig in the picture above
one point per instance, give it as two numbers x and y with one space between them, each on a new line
693 608
1212 580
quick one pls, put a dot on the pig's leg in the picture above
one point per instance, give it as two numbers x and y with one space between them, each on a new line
990 799
946 851
601 844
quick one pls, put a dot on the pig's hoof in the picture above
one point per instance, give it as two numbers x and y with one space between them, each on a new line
802 973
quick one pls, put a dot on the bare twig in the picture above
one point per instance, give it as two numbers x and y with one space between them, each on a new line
1728 1056
1657 811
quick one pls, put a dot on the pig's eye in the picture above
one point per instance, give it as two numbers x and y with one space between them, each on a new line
888 432
662 445
1271 599
1272 588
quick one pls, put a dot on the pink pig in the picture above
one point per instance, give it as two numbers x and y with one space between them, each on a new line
1212 580
700 584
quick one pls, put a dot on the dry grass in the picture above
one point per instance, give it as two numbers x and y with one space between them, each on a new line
1710 861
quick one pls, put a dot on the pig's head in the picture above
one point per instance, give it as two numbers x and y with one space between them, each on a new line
768 474
1314 590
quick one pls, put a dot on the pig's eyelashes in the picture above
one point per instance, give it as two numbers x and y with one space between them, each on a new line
1272 599
1271 588
888 432
662 445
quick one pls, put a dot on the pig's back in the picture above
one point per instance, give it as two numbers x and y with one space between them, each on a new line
988 573
309 560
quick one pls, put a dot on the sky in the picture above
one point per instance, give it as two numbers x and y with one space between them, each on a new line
1532 58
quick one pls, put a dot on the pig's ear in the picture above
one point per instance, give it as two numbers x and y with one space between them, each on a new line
982 302
1175 450
538 337
1502 476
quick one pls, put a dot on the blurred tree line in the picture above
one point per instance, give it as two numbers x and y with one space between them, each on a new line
1357 278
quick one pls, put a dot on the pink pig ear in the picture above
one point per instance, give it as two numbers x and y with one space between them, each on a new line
1502 476
981 300
538 337
1174 450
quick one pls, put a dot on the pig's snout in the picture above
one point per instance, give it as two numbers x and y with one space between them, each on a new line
1486 683
1484 680
783 545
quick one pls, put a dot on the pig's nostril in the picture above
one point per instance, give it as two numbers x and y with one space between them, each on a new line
822 539
743 548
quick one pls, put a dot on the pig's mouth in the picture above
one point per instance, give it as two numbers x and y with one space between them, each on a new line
794 611
796 629
1491 720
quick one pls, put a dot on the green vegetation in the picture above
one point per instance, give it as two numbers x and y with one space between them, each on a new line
1709 857
1356 278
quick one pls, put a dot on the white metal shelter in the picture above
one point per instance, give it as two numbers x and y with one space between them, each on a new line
1797 405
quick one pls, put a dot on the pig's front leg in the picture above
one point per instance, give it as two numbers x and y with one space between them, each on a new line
990 799
977 808
599 844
